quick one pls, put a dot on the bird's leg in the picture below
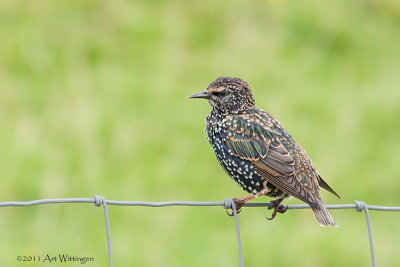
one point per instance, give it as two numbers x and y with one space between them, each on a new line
277 208
240 201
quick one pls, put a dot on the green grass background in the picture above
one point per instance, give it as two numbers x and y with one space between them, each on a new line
93 101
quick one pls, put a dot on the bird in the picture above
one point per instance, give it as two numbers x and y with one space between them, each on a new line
258 153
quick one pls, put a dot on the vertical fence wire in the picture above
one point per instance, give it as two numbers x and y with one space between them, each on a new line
360 206
227 204
230 204
98 201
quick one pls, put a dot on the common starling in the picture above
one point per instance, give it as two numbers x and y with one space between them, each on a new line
257 152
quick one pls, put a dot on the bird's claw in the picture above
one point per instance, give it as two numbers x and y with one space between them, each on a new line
238 206
276 205
280 209
232 213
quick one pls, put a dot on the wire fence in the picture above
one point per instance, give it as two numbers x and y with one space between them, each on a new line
227 203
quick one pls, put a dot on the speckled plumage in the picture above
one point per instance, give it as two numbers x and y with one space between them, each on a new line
256 151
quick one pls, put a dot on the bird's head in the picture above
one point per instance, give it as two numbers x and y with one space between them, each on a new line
228 95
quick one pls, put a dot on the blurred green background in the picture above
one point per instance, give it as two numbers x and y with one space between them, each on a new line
93 101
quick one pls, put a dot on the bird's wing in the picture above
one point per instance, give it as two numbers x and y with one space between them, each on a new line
253 142
325 185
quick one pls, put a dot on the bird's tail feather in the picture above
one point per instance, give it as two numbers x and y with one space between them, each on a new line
322 215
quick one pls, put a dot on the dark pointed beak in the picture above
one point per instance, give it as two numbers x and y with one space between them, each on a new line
203 94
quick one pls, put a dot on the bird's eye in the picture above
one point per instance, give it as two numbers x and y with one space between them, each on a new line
219 93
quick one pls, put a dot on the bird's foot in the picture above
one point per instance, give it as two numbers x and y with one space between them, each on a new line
238 204
276 205
240 201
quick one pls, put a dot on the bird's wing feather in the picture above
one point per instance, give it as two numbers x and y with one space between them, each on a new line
325 185
250 141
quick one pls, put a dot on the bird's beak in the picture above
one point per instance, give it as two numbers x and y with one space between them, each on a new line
203 94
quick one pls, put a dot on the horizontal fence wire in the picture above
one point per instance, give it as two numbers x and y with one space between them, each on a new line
227 203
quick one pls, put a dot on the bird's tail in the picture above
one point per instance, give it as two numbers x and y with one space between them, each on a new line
322 215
